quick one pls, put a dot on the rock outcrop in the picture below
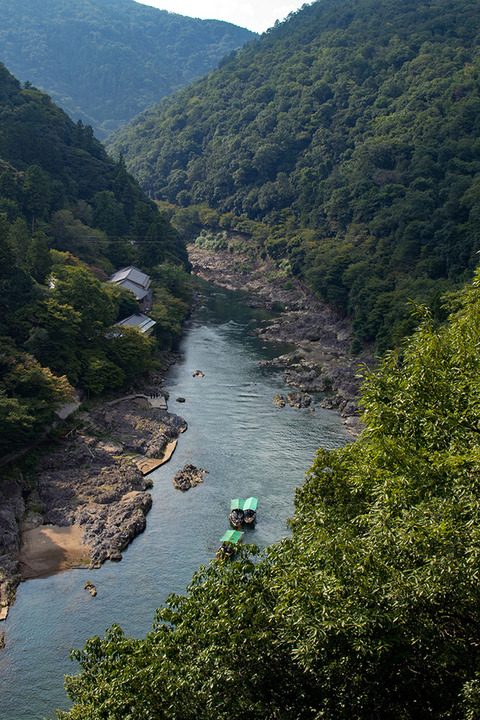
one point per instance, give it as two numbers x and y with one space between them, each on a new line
188 477
88 478
13 490
299 400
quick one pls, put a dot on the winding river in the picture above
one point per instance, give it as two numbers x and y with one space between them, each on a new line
249 447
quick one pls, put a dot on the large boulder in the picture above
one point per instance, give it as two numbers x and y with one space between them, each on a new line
188 477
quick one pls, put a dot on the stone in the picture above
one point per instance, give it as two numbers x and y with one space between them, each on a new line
188 477
279 400
91 588
299 400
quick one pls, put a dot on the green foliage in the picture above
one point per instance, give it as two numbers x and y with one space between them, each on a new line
29 394
371 609
212 241
107 60
131 351
68 215
99 374
168 312
174 280
75 286
345 141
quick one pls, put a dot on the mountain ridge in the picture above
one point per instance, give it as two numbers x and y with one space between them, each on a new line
348 136
104 61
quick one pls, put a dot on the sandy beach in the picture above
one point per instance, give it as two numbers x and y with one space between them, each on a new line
48 549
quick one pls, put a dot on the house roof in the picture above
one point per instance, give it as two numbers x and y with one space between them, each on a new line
139 292
133 275
138 320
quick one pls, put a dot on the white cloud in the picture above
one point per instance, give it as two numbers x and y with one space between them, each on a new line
257 16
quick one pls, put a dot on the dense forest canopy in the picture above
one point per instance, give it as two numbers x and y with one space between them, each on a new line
104 61
347 141
69 217
371 609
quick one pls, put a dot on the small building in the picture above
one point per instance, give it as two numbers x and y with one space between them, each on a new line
140 321
138 282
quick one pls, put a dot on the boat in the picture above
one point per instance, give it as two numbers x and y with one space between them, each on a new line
227 549
236 513
250 510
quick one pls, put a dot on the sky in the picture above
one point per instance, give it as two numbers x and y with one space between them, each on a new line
257 15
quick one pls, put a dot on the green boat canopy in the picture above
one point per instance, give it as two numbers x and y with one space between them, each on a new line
231 536
236 504
250 504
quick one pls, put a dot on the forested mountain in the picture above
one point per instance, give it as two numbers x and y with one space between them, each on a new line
70 216
104 61
347 141
371 609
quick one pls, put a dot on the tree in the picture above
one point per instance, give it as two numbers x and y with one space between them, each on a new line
58 345
29 395
19 237
99 373
75 286
36 194
38 260
130 350
109 214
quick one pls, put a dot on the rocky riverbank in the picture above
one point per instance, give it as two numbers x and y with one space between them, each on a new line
91 477
321 361
88 478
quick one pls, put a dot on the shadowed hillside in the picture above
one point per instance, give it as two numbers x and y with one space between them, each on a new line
69 217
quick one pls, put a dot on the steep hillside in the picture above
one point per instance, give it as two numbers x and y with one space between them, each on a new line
349 136
70 216
104 61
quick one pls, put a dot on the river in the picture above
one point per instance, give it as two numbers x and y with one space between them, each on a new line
249 447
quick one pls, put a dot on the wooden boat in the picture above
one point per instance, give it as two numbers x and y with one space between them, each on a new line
229 540
250 510
236 513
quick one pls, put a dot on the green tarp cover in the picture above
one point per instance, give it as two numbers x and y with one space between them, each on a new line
250 504
236 504
231 536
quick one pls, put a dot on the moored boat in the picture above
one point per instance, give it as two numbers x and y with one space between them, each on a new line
229 540
236 513
250 510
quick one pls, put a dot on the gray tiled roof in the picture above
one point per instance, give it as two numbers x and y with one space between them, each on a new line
139 292
132 274
138 320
